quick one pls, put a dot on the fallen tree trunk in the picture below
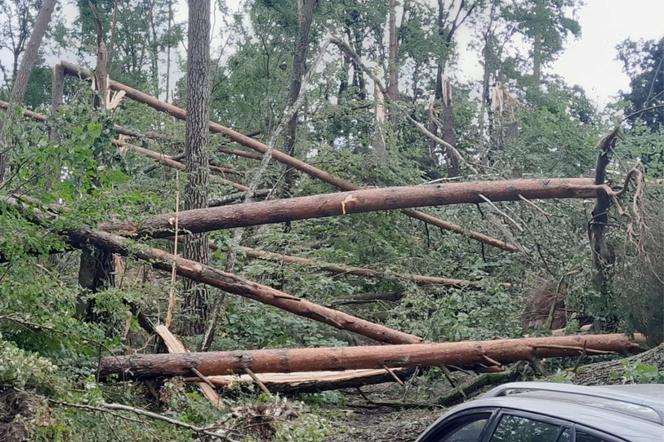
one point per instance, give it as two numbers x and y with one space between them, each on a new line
459 354
234 284
174 164
207 275
227 199
358 201
311 382
619 371
134 94
358 271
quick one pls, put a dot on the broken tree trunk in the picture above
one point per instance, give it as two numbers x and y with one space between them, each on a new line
234 284
311 382
174 345
174 164
359 271
603 256
207 275
459 354
134 94
366 200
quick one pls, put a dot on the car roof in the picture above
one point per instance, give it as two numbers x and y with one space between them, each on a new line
552 400
644 401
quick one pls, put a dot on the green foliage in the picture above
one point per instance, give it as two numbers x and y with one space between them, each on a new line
640 373
25 370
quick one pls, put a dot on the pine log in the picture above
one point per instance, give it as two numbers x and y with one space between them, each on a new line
358 201
174 164
228 282
234 284
311 382
358 271
340 183
459 354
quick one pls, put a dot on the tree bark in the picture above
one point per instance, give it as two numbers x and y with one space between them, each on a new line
448 134
286 159
467 354
358 201
603 256
22 76
311 382
96 270
393 59
195 303
306 17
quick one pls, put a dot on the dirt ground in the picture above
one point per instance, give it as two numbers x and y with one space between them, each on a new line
384 424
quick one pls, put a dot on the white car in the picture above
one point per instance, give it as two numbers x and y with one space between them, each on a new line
548 412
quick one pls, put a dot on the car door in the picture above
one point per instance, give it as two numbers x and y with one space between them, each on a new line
493 424
466 426
519 426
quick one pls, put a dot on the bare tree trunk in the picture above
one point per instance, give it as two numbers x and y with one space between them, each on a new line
448 135
96 271
466 354
306 17
393 59
358 201
195 303
21 78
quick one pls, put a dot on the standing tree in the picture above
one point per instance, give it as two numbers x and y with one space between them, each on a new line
643 62
22 76
305 19
196 247
546 24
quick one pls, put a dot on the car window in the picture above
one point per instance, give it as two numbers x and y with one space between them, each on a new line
513 428
469 432
466 428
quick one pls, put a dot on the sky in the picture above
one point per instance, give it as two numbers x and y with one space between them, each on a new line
590 61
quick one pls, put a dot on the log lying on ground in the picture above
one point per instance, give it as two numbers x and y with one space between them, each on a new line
358 201
311 382
616 370
459 354
358 271
174 164
134 94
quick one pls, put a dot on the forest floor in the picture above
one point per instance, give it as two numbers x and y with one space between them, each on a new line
365 417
